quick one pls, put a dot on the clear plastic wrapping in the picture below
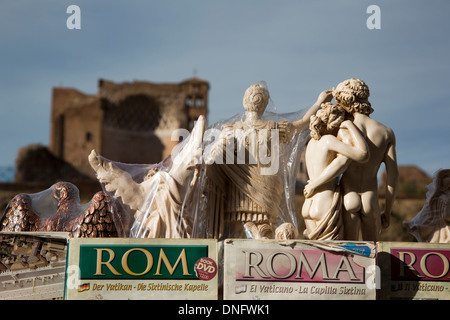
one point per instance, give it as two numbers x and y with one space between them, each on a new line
251 198
160 200
432 223
59 209
235 178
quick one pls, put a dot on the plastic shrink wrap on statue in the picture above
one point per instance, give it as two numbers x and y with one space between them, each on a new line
233 179
58 209
250 178
251 169
432 223
161 200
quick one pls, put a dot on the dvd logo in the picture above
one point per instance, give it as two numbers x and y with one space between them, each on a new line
205 268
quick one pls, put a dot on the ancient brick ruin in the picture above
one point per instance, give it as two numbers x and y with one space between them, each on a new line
130 122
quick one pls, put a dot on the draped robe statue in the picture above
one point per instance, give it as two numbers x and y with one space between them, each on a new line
245 187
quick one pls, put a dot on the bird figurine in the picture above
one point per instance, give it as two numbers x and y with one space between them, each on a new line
58 209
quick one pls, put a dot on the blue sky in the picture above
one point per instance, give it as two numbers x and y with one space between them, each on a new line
298 47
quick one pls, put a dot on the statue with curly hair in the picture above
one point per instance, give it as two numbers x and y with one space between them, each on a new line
359 185
332 135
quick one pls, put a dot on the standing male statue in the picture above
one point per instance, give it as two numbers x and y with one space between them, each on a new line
253 195
359 183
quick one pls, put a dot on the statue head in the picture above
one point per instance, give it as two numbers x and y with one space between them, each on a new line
64 191
327 120
256 98
353 95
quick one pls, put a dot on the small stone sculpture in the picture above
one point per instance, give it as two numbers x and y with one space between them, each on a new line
59 209
248 194
332 137
157 203
286 231
432 223
361 210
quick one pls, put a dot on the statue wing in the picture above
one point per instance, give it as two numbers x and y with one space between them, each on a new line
19 215
96 221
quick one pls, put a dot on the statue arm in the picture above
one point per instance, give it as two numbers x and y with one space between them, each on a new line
392 174
345 153
189 157
353 146
302 124
356 147
217 148
331 172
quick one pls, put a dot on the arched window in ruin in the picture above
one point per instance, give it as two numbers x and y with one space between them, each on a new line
138 113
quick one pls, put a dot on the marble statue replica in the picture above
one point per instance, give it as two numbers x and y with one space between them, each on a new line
58 209
234 180
159 203
361 212
246 196
331 135
432 223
